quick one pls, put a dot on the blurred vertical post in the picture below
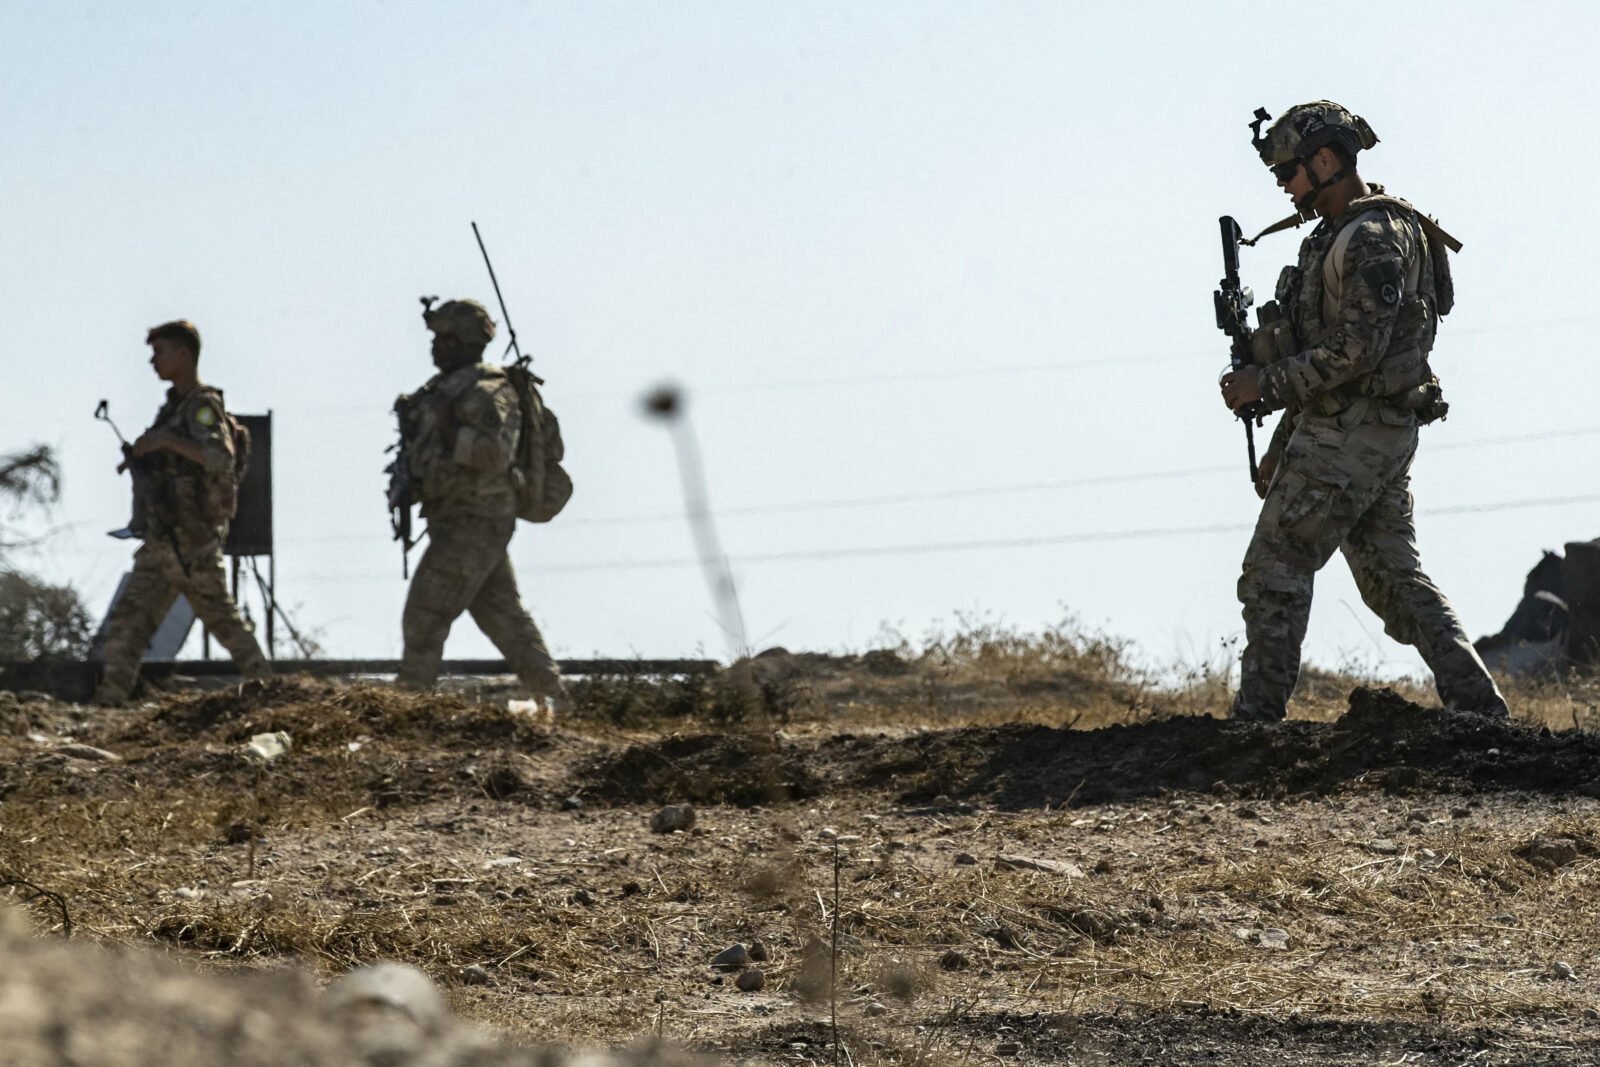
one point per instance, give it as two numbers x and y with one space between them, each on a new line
666 403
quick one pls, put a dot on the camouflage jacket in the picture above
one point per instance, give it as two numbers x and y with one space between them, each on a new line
1363 307
461 442
184 493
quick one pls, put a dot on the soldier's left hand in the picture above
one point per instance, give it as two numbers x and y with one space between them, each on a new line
151 441
1242 386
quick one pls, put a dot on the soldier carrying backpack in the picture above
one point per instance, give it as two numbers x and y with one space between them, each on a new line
187 469
478 450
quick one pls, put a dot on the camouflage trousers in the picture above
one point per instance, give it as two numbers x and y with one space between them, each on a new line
157 579
466 568
1346 489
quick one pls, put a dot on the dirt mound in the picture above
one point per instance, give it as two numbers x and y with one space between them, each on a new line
1383 739
741 769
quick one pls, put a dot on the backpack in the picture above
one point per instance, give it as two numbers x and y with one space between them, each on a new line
222 491
543 486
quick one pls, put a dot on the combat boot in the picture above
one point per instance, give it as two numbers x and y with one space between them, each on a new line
107 695
1497 709
1242 712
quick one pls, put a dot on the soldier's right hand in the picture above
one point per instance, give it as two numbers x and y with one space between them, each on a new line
1264 473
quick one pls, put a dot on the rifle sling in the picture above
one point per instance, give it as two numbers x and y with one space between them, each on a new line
1429 226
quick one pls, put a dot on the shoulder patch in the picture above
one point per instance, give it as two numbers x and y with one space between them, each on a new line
206 416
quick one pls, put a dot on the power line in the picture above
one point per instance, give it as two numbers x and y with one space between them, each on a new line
975 492
984 544
979 369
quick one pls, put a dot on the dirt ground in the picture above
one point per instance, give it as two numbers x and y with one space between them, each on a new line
952 866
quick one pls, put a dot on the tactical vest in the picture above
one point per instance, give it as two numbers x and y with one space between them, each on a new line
1308 295
183 491
442 485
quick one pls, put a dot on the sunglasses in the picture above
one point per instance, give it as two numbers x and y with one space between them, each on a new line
1285 172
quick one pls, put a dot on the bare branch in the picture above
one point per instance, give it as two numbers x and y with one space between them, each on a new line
32 476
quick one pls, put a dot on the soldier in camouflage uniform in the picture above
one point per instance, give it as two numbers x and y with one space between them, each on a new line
1344 352
188 494
461 441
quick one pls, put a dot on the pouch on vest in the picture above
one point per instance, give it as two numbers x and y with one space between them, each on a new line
1273 338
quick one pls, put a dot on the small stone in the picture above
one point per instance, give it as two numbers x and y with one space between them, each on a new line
237 833
503 861
1008 1049
88 752
954 961
1460 813
965 859
758 951
1104 866
1383 846
1418 816
184 892
1005 937
1505 918
1550 853
672 818
474 974
583 897
1562 969
751 981
1591 1013
874 1009
731 957
571 803
1246 813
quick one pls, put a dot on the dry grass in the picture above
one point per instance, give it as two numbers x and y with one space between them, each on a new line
402 847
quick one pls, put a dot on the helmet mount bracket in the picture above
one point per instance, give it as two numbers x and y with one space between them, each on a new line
1262 115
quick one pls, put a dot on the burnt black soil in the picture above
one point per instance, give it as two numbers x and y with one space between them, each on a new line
732 768
1200 1036
1383 741
1212 1037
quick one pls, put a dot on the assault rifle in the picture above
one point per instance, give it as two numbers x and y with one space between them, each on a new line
402 488
1233 302
145 481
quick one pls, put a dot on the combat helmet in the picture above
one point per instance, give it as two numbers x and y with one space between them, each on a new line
1306 128
466 320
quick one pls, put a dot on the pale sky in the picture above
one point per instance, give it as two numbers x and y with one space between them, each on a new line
931 273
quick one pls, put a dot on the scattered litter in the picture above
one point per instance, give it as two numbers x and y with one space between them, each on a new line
1008 861
88 752
264 748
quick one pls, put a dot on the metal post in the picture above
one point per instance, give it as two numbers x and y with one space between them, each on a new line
272 606
272 575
